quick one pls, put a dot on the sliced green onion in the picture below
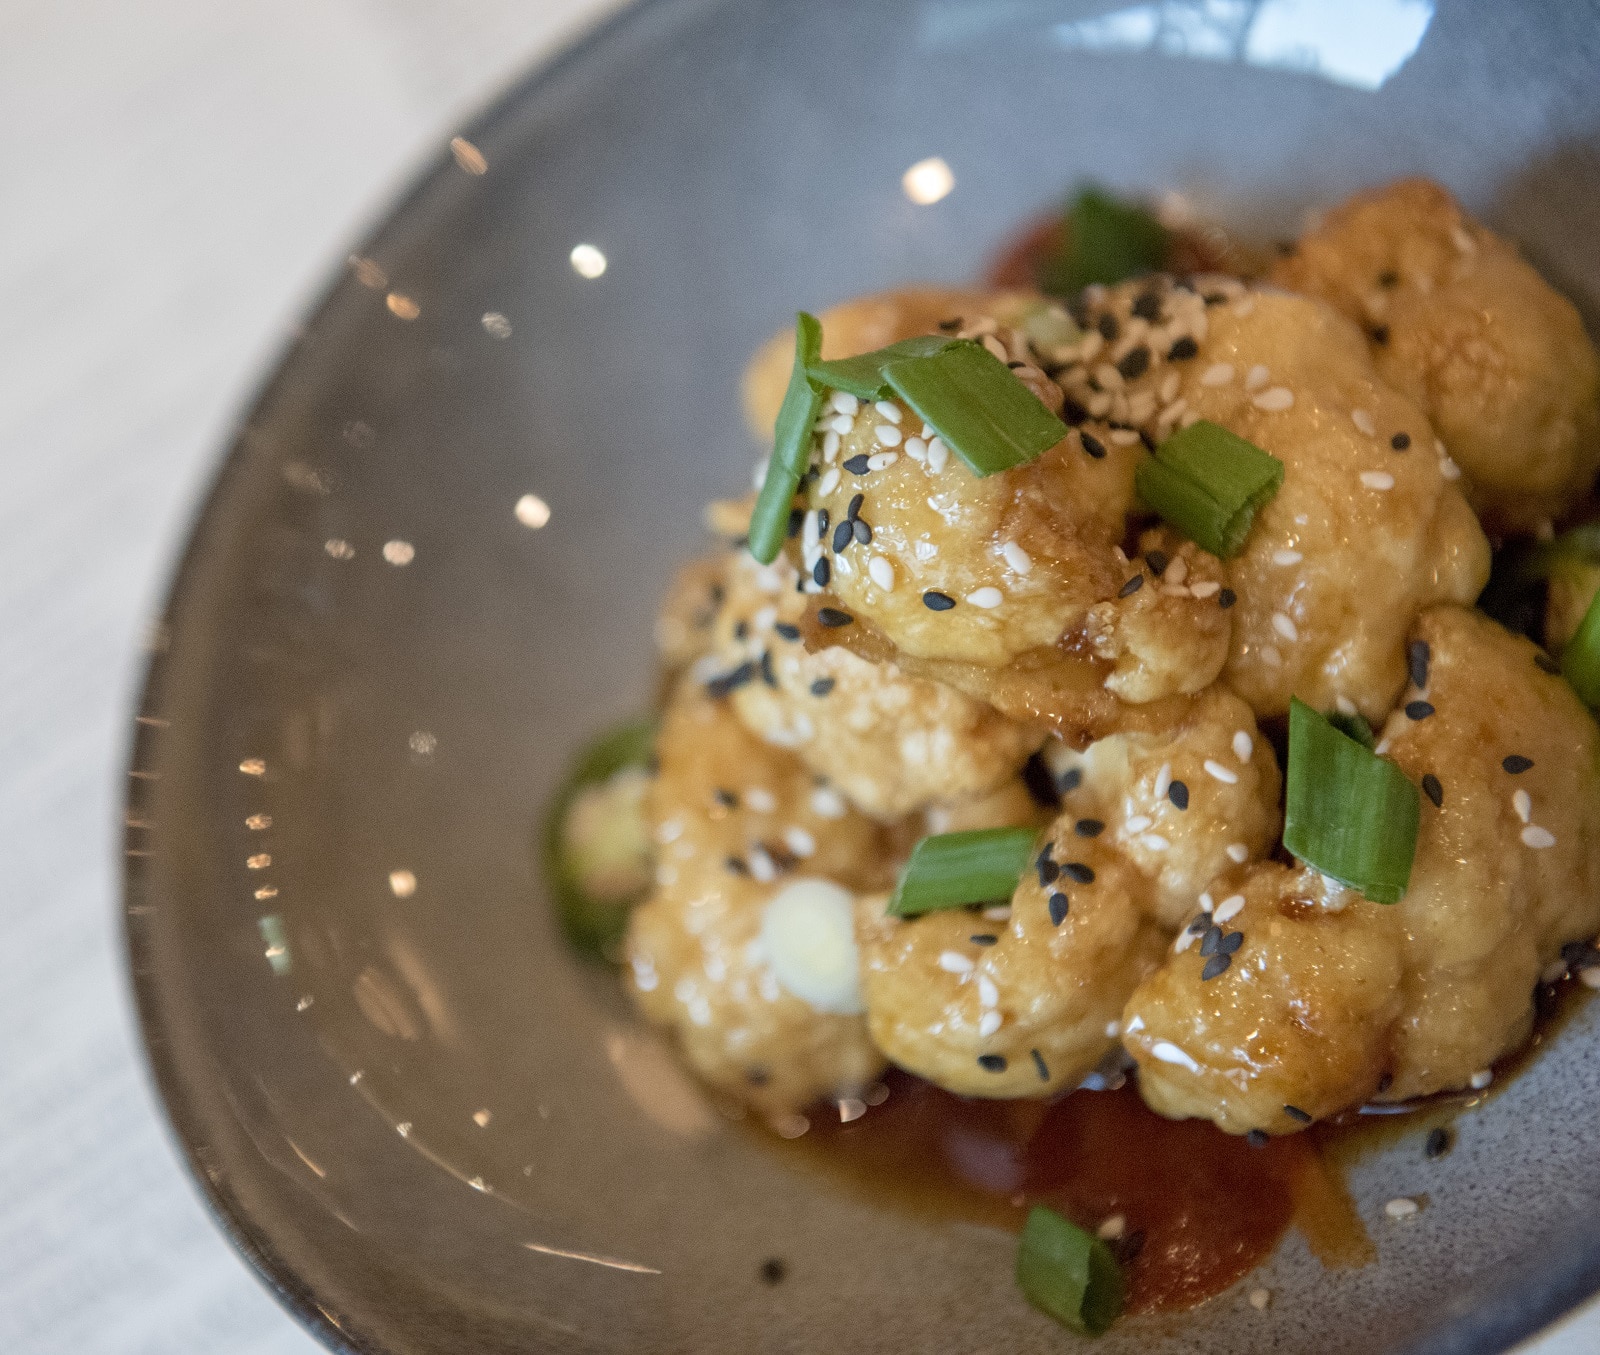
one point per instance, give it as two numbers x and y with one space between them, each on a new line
1106 241
1353 727
1047 325
1515 593
596 845
1068 1273
976 404
952 870
1348 812
791 445
1580 660
1209 484
863 376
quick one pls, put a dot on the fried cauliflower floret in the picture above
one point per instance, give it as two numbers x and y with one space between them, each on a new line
1466 328
1359 539
1013 1004
737 822
1183 804
1508 864
689 611
891 744
1299 1017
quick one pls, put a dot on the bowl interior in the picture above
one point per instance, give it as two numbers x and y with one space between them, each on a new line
430 1127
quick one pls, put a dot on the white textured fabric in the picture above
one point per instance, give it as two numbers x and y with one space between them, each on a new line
177 179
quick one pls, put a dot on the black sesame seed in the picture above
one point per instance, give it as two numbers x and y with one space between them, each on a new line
1071 779
992 1063
1088 827
796 517
843 534
1199 923
1418 710
741 629
1147 306
726 798
1226 598
1184 349
757 1077
736 865
1516 764
1135 363
1217 964
1015 365
1433 790
854 510
1178 793
1296 1114
1039 1065
728 682
1132 586
1092 445
1256 1138
950 326
857 464
1385 1082
786 631
1400 441
1388 278
1210 942
1438 1144
1127 1250
1079 872
822 686
1379 335
1214 298
863 531
822 522
937 602
1058 908
1158 562
1417 656
983 939
1546 664
1073 414
1049 871
821 573
1108 327
1040 784
832 617
767 675
1229 945
773 1270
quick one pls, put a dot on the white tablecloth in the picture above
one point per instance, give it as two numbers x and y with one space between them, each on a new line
177 177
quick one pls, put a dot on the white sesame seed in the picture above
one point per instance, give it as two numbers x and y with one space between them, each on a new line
1287 557
1186 938
1243 745
1271 657
1257 377
830 446
1363 422
1218 374
1244 307
1462 241
842 424
1108 378
810 534
844 403
988 994
1122 437
760 799
1284 625
1154 842
986 597
762 867
1344 705
881 573
826 803
1134 1025
1207 904
1163 781
1169 386
1275 401
1377 479
1449 469
1228 909
1523 804
1590 976
882 460
1223 774
989 1022
1238 853
887 434
1261 1299
1537 837
1383 746
889 410
1137 824
1401 1208
1167 1052
1177 571
798 841
916 449
999 913
953 962
1113 1029
1017 558
927 432
1205 588
829 482
1113 1228
1481 1079
938 454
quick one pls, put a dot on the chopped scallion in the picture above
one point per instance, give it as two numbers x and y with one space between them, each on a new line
1209 484
1348 812
1067 1273
952 870
976 404
1353 727
791 445
1106 241
863 375
1580 660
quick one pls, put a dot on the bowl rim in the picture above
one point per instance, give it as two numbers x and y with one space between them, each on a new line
1531 1296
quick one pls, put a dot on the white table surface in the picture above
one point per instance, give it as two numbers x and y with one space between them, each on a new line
177 178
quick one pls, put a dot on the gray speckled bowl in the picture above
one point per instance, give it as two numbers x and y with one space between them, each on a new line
416 1115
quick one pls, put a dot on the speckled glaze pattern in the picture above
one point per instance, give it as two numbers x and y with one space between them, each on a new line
430 1128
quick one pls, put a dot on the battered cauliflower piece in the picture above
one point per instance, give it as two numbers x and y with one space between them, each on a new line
1328 999
689 612
1294 1028
1182 804
892 744
1018 1002
1508 864
1362 535
736 821
1466 328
